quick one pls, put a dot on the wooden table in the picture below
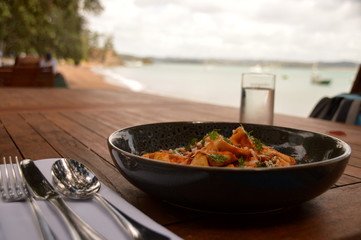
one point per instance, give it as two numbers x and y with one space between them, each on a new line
48 123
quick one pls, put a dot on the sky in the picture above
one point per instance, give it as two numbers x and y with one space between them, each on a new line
285 30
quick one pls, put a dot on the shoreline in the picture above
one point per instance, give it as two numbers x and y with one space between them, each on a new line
83 77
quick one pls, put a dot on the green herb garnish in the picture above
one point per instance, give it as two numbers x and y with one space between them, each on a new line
227 140
241 162
191 144
194 141
213 135
218 158
249 134
261 164
258 144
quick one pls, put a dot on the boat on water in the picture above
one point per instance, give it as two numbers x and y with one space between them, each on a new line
316 77
321 81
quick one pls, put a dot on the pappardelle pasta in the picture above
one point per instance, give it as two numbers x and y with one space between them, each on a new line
241 150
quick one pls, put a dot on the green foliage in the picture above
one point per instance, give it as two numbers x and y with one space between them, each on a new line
39 26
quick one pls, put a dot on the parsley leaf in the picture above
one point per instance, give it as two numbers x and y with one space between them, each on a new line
213 135
218 158
249 134
258 144
191 144
241 162
261 164
194 141
227 140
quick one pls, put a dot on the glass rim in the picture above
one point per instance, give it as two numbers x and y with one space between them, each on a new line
266 80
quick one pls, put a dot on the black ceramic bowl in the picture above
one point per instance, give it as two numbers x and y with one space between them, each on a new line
321 160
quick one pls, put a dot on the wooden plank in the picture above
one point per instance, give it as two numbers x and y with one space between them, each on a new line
90 139
35 100
333 215
93 124
355 159
207 112
10 98
30 100
118 118
7 146
353 171
346 180
167 113
137 116
26 138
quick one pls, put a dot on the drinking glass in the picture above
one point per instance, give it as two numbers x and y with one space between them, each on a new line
257 98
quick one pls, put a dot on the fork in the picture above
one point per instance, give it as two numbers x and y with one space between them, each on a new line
13 189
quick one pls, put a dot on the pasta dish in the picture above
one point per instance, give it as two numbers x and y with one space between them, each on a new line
241 150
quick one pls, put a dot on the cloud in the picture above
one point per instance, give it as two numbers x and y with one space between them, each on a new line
258 29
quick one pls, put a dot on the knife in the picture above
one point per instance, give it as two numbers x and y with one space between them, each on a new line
41 188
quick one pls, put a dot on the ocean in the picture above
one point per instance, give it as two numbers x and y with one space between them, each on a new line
295 93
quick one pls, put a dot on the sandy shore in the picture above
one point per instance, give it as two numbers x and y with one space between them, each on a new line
78 77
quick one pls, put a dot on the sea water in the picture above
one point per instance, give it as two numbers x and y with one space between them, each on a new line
295 94
257 105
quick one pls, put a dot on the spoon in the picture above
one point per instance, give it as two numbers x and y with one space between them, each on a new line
74 180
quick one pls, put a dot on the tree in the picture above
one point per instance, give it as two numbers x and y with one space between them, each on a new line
39 26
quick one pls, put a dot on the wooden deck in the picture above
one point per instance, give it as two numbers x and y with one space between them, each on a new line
75 123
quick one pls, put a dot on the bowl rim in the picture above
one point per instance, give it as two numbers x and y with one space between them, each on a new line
344 156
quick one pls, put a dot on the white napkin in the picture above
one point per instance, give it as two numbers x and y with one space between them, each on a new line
17 222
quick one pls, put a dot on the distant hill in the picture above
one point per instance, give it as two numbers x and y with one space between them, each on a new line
131 58
244 62
338 64
273 63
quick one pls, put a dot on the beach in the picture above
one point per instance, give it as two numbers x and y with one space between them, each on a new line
82 77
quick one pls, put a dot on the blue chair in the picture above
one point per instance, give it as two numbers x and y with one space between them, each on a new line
344 108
